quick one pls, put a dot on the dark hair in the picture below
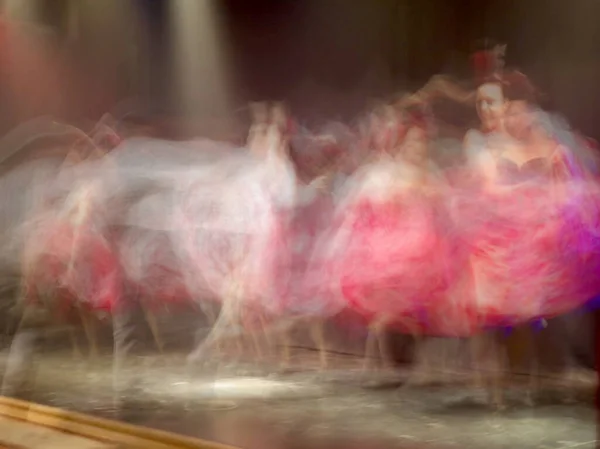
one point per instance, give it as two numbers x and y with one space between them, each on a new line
515 86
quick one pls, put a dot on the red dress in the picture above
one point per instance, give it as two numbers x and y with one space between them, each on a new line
523 262
151 265
73 266
393 261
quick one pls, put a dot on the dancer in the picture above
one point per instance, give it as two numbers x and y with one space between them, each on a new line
66 263
233 227
390 259
302 296
517 226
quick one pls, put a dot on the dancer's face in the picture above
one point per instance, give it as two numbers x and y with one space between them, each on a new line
518 120
491 106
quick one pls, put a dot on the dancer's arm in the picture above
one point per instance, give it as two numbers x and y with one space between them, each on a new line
83 211
439 86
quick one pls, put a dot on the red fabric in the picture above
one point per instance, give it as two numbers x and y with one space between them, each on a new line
162 283
94 279
522 256
597 348
483 64
394 264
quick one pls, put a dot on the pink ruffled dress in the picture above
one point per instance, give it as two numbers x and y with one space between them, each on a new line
524 262
391 252
73 265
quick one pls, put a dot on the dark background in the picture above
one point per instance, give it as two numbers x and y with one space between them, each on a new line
327 58
363 48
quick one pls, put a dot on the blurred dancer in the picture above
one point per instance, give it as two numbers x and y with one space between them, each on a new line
233 230
67 266
388 253
522 265
301 293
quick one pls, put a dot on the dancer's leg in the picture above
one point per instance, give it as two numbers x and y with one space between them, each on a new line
286 355
485 350
258 349
370 349
76 350
20 363
422 360
498 370
317 333
227 318
152 321
476 346
419 372
211 316
571 338
375 343
531 361
533 386
124 341
266 330
89 327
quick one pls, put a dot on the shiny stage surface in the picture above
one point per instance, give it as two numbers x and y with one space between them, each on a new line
248 407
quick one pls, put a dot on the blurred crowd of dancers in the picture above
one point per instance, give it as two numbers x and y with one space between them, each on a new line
390 218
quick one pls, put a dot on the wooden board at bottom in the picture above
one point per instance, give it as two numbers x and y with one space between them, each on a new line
25 425
19 434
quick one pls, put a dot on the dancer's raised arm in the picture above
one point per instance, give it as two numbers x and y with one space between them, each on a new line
439 86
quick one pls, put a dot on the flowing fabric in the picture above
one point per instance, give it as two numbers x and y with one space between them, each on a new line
151 265
527 240
303 269
233 226
438 253
73 265
390 254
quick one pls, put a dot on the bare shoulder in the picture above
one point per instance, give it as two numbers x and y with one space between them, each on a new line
473 137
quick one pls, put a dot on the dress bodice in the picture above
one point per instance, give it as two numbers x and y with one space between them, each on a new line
510 172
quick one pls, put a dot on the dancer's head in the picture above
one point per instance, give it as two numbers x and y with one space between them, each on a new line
520 116
491 104
519 119
498 94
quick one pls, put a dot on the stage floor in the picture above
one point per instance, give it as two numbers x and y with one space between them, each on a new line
252 408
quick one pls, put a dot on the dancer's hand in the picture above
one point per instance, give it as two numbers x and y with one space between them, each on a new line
444 86
419 98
